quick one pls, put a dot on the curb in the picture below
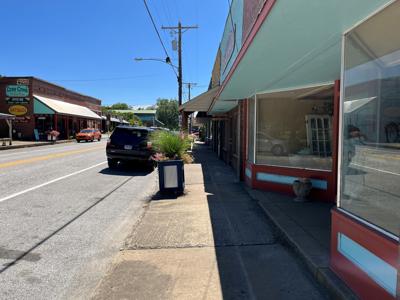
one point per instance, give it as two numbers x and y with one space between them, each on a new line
310 252
33 145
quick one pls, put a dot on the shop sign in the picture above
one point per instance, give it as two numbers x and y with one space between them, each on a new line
17 91
17 100
18 110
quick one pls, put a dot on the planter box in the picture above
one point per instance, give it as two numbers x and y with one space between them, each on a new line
171 176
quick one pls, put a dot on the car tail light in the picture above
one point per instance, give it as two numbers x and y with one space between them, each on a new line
149 145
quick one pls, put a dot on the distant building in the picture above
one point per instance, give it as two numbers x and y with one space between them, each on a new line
40 106
147 116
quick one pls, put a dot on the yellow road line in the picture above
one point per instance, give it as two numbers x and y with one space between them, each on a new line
45 157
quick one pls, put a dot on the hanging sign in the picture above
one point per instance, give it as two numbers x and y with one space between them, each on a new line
17 91
18 110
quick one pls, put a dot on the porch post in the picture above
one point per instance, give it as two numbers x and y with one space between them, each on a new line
55 122
67 127
184 121
9 122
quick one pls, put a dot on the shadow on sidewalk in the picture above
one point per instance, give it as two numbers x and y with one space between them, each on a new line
251 263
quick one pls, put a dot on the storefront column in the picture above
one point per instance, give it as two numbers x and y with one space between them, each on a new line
55 120
185 116
66 120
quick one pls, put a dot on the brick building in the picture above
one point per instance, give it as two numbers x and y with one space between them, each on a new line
40 106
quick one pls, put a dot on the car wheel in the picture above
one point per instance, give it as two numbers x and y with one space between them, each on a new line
112 163
99 139
277 150
151 166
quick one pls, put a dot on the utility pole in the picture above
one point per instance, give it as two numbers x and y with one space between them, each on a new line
179 32
190 85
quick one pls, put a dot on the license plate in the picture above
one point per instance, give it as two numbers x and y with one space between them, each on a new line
128 147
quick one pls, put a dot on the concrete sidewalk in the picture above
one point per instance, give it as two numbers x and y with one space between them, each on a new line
214 242
28 144
306 229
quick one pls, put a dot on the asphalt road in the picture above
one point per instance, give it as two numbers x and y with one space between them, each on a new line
63 214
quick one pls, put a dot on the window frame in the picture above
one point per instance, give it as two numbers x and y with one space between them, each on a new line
340 131
290 167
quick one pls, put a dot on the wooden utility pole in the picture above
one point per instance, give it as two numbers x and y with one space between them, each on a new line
179 32
190 85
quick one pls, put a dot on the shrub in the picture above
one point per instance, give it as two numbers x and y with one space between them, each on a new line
170 145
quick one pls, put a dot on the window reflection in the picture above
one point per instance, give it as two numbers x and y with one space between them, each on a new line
371 121
294 129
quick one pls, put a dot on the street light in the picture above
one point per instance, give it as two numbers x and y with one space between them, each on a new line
167 60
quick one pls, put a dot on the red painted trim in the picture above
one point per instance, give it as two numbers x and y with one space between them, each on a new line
335 134
382 246
256 27
243 135
322 195
247 180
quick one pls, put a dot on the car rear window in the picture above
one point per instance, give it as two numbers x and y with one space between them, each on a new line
128 136
86 131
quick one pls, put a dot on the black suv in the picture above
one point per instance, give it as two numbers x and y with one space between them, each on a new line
129 144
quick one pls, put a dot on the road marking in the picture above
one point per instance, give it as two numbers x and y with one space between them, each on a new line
383 171
45 157
23 151
50 182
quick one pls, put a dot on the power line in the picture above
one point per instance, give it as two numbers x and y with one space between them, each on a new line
158 34
158 16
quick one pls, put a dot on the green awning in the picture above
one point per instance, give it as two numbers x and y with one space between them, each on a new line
40 109
298 45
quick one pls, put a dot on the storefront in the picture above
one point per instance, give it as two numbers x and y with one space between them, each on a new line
40 106
366 224
293 134
66 118
303 114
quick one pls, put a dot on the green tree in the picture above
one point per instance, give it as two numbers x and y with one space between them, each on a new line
105 109
130 117
120 105
168 113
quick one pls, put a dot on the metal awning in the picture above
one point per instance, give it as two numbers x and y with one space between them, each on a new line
112 119
296 46
6 117
66 108
200 103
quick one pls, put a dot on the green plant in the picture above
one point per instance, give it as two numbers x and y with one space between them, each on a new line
171 145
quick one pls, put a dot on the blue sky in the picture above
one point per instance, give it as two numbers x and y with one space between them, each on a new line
89 45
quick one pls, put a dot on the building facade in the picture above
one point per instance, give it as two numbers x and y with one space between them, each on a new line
313 91
41 106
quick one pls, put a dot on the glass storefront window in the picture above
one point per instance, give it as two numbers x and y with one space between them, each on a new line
294 129
370 163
